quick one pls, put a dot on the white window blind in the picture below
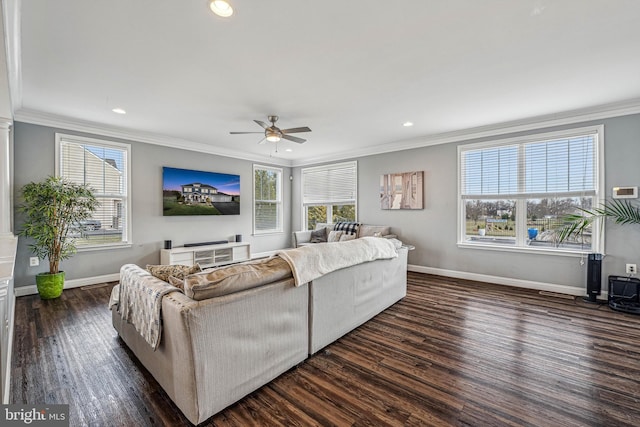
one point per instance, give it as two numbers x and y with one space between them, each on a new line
563 165
330 184
516 192
267 216
104 167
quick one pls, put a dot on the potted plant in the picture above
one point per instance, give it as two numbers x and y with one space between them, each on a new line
481 230
620 211
52 209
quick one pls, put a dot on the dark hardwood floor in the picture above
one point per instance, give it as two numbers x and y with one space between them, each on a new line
453 352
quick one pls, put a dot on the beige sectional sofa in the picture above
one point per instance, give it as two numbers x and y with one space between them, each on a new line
345 299
217 350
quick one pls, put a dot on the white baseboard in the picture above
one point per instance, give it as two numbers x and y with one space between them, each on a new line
68 284
498 280
518 283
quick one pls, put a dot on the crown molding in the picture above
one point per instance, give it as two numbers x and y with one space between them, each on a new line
66 123
600 112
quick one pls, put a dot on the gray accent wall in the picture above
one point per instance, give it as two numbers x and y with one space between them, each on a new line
34 160
433 230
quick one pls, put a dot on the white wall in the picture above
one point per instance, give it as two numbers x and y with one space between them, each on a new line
34 160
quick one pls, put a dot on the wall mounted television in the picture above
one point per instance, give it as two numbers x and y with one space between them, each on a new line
191 192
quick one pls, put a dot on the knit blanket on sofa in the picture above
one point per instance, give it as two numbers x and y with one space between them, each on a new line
310 262
140 301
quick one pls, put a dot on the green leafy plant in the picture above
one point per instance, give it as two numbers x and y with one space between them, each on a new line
621 211
53 208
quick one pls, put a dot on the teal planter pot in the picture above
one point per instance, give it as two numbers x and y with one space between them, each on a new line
50 285
533 233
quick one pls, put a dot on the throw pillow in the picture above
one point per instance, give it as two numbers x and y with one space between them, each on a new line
346 237
334 236
178 283
236 277
319 236
163 272
371 230
347 227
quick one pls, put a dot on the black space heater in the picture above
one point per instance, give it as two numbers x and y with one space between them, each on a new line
594 277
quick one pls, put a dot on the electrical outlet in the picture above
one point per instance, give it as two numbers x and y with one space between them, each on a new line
632 269
34 261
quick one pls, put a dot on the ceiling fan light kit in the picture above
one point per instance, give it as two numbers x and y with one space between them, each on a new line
275 134
221 8
272 136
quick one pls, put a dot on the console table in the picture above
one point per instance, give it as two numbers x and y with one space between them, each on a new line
207 256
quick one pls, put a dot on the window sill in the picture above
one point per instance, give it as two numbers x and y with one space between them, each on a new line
267 233
104 247
527 250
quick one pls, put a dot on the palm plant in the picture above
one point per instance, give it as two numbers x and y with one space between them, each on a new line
621 211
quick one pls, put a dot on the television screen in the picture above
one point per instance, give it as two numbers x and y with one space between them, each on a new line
189 192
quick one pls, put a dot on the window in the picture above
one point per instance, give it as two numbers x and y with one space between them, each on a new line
514 193
267 198
329 193
103 166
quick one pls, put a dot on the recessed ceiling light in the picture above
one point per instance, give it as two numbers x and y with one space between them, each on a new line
407 124
221 8
288 150
119 111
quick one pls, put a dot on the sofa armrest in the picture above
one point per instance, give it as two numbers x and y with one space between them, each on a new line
300 237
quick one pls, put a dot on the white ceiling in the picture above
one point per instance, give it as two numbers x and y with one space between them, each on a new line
350 70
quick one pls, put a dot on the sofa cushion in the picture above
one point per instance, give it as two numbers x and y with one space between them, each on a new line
347 237
235 278
163 272
319 236
347 227
334 236
177 282
371 230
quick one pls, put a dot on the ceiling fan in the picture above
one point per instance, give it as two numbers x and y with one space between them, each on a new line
274 134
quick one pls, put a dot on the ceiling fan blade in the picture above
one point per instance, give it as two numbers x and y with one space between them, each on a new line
263 124
294 139
242 133
262 141
295 130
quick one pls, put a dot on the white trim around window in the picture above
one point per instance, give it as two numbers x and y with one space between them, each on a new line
106 167
332 188
510 182
267 200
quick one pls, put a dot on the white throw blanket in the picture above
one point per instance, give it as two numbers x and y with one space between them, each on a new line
312 261
140 301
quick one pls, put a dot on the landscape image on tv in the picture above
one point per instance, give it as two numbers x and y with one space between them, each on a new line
190 192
